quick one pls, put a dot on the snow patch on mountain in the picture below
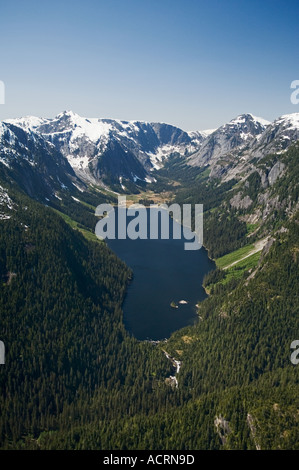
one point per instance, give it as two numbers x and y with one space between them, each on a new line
106 151
162 153
27 122
235 134
277 137
5 200
5 203
95 147
289 120
92 128
242 118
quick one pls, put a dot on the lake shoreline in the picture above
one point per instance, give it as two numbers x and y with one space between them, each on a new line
163 272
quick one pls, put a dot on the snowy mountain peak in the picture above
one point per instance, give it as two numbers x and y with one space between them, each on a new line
289 120
248 118
68 115
27 122
278 136
207 132
237 133
110 150
88 142
78 127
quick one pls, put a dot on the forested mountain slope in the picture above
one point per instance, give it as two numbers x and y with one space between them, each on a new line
75 379
61 323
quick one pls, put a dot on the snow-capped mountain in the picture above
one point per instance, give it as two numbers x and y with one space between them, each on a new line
238 133
34 163
99 149
277 137
70 150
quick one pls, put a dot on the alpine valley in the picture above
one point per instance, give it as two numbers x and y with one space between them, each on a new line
74 378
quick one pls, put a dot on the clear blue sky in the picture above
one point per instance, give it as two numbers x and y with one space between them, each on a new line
195 64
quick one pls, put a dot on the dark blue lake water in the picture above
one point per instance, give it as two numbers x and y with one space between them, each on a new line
163 272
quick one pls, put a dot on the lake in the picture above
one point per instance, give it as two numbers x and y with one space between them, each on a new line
163 273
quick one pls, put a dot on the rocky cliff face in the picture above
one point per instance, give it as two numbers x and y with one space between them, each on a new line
35 164
234 149
235 134
277 137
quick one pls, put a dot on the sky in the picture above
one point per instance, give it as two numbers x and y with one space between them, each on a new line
191 63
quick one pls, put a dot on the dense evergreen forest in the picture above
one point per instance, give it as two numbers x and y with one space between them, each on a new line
75 379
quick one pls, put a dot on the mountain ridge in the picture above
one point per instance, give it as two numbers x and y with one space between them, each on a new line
61 316
125 154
